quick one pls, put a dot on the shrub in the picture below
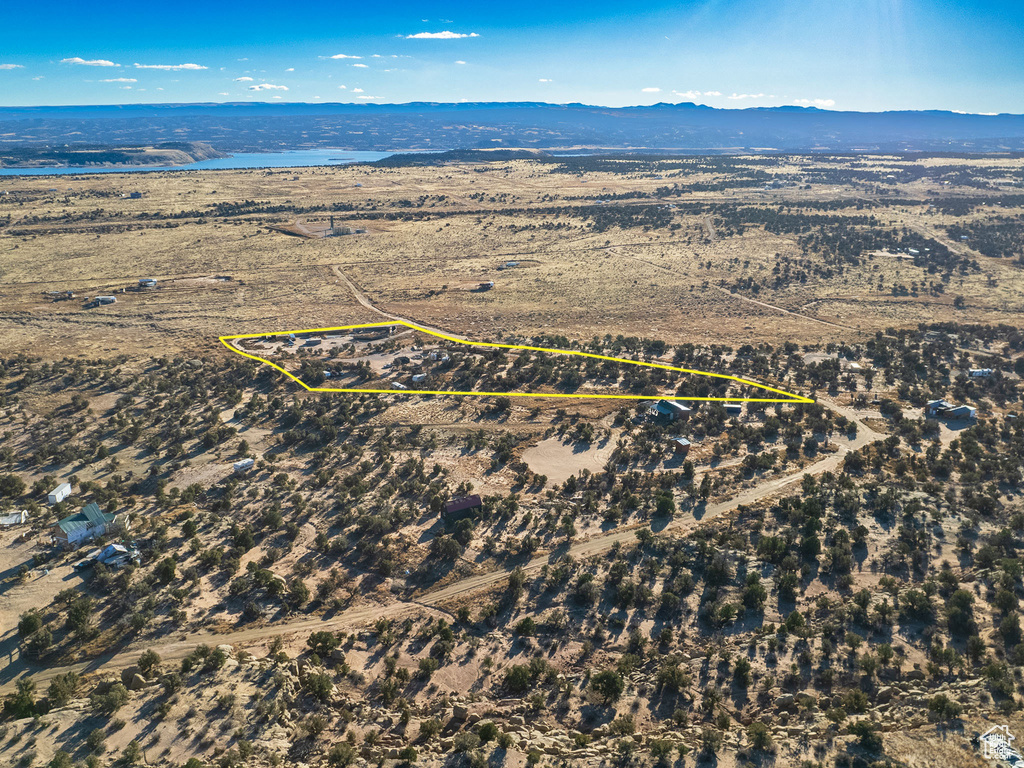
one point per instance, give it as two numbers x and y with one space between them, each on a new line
867 735
518 678
608 684
22 702
465 742
62 689
741 672
319 685
322 643
111 701
428 666
760 737
29 622
96 741
11 486
341 754
149 663
944 708
132 753
429 728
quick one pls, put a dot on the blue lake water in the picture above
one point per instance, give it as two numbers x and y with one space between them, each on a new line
294 158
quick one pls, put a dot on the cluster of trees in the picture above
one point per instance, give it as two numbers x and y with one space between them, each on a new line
1001 237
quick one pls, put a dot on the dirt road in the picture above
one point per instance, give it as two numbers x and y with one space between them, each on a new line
783 310
361 298
747 299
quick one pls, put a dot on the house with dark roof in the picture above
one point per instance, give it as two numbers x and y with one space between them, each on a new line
88 524
461 507
942 410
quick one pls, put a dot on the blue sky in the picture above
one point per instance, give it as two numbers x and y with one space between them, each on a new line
835 54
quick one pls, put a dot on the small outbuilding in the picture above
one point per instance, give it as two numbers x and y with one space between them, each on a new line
18 517
979 373
147 282
58 494
734 409
461 507
681 446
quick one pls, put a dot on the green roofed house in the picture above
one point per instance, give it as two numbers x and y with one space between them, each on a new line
90 523
671 410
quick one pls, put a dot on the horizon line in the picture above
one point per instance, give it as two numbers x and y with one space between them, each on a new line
570 104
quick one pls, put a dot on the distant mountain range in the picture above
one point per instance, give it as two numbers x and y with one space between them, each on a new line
240 127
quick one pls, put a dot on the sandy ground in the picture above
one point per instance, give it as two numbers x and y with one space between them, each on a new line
558 459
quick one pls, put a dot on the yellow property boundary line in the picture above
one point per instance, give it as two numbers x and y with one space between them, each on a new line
789 396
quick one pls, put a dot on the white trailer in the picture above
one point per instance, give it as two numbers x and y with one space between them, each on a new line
58 494
244 465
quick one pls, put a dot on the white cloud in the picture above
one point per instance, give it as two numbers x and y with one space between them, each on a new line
120 80
815 102
89 63
222 93
343 87
367 98
446 35
268 87
11 66
746 96
687 94
170 67
344 56
290 69
39 77
712 93
243 79
545 80
460 62
357 90
362 66
651 90
126 87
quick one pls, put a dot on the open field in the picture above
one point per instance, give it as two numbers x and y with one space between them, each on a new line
434 234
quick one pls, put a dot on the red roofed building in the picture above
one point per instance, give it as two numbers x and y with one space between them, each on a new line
461 507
